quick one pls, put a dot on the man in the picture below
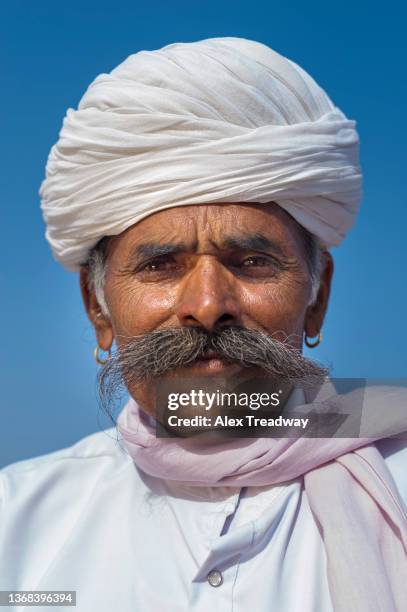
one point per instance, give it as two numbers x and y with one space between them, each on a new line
197 190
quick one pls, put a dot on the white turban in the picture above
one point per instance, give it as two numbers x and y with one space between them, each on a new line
219 120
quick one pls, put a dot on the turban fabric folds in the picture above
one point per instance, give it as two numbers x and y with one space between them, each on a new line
215 121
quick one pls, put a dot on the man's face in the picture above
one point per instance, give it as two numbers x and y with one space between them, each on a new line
209 266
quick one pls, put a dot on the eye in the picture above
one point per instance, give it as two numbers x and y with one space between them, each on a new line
158 264
256 260
260 266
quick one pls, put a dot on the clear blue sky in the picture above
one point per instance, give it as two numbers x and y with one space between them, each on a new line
52 50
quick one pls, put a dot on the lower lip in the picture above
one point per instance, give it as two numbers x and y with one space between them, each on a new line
214 366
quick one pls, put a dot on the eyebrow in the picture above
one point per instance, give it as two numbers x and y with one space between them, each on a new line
149 250
253 242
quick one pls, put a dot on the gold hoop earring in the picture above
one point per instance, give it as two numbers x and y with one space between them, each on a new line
97 357
313 344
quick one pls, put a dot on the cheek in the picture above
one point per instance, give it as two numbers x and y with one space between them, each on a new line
278 307
138 308
273 307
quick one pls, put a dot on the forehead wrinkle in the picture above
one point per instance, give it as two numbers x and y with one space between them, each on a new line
206 228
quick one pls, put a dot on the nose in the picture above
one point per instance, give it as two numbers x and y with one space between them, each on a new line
208 297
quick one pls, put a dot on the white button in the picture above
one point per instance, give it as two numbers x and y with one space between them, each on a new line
215 578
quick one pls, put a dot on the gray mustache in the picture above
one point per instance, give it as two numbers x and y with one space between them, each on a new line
159 352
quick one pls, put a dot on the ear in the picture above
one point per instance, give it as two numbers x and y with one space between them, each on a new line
100 321
315 313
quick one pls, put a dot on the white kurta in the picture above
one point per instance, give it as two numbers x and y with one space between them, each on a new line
86 519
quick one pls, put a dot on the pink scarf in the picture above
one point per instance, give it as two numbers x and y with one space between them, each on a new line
352 495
